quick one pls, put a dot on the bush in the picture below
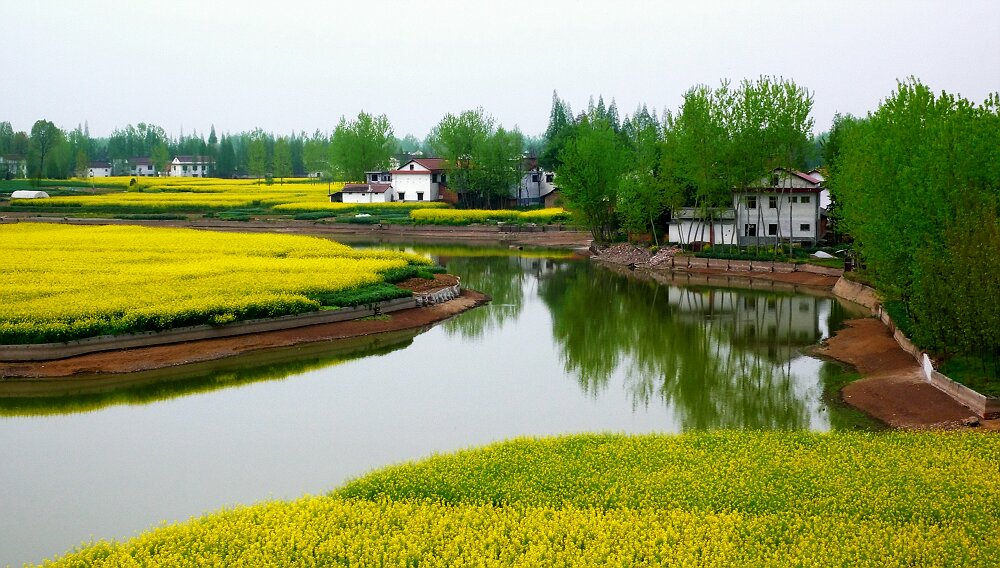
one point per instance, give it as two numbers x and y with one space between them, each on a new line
363 296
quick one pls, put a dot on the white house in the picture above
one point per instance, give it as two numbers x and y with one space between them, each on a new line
784 206
98 169
367 193
191 166
13 166
535 185
142 167
419 179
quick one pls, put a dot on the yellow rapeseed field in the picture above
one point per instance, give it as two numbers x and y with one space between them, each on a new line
60 282
466 216
731 498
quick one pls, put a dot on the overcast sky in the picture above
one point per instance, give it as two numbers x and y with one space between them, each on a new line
299 65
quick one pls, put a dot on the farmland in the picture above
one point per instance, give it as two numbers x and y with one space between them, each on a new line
718 499
66 282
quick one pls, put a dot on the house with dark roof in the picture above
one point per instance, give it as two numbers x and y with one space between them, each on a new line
142 167
192 166
98 169
366 193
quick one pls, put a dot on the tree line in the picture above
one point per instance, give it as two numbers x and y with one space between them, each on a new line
626 175
917 186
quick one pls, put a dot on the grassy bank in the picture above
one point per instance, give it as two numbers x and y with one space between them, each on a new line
68 282
716 499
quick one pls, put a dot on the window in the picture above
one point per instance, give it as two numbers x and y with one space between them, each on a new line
420 196
774 180
793 199
534 178
750 230
772 202
374 177
805 199
444 178
386 177
772 229
751 201
149 168
804 227
548 178
411 167
803 306
749 303
772 304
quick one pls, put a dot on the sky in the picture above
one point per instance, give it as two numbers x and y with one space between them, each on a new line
300 65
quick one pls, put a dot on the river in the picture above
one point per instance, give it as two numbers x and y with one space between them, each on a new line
565 346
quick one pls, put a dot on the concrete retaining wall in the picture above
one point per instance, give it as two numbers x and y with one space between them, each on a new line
984 406
687 261
49 351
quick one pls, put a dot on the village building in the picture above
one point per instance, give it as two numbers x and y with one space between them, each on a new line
366 193
191 166
785 207
420 179
142 167
99 169
13 166
535 185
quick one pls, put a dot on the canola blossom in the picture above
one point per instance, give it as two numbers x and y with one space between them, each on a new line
467 216
60 282
730 498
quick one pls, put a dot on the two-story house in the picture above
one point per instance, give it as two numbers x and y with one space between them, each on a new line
13 166
536 184
785 206
418 179
192 166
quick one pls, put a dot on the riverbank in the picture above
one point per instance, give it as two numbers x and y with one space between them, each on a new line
162 356
892 390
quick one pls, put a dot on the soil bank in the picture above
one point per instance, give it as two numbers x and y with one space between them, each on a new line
148 358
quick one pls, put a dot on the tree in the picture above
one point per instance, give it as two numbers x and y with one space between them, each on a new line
589 175
160 156
257 154
225 165
6 138
45 137
641 195
559 129
363 144
282 159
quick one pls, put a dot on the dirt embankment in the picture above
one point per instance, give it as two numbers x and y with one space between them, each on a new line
147 358
893 389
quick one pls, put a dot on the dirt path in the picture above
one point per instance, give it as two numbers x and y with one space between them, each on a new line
893 389
147 358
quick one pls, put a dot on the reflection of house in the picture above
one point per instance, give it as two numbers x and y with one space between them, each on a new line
141 167
754 320
191 166
784 207
98 169
367 193
536 184
13 166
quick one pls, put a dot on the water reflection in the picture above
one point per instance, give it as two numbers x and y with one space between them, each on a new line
720 357
87 393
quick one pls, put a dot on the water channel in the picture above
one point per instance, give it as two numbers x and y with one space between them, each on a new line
566 346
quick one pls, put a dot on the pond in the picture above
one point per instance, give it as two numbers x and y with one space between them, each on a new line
565 346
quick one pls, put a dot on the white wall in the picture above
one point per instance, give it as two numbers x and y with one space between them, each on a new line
407 186
787 215
99 172
687 231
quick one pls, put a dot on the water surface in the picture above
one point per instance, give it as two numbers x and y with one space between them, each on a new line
564 347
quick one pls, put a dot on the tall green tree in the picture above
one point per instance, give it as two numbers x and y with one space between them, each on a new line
282 159
560 127
257 154
589 177
641 194
45 138
363 144
160 156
